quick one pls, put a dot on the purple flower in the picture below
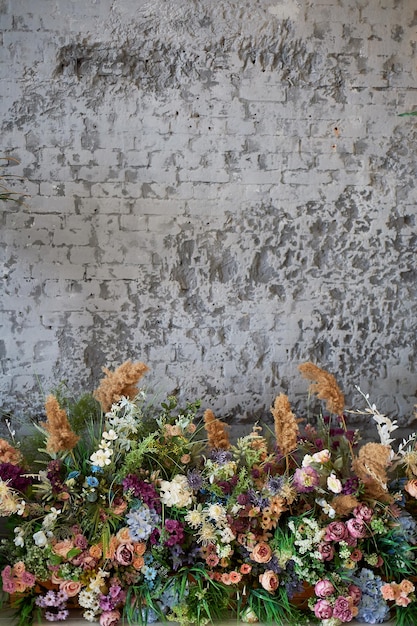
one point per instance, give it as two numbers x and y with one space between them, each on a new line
221 456
195 479
176 532
306 479
350 486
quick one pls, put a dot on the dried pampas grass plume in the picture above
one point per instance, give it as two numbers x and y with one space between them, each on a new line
122 382
370 466
286 425
61 437
324 386
9 454
344 504
217 435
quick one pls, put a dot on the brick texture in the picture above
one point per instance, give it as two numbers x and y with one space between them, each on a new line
220 189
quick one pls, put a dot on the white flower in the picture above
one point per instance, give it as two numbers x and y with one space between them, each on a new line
327 509
194 518
40 539
89 615
51 517
321 457
110 435
333 483
176 492
217 513
226 535
101 457
307 460
20 507
19 538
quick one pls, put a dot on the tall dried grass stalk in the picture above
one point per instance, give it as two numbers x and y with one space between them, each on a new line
286 425
370 466
61 437
122 382
324 386
217 435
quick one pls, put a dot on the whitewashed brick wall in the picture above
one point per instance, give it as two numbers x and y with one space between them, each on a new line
222 189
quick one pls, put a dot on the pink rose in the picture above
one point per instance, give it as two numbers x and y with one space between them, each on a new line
323 588
356 528
70 587
109 618
363 512
28 579
124 553
355 593
342 609
323 609
261 553
269 581
336 531
326 551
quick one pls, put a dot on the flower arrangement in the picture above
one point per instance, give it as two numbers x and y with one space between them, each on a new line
139 512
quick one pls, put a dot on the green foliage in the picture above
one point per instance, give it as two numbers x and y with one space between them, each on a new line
26 611
276 608
406 615
81 411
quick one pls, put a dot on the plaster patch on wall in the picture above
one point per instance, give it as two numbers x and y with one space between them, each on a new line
285 10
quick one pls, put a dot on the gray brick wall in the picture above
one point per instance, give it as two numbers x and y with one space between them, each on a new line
221 189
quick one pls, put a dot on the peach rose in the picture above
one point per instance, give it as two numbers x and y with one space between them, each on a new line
138 562
111 549
406 586
70 587
95 551
261 553
411 488
140 548
269 581
123 535
61 548
18 568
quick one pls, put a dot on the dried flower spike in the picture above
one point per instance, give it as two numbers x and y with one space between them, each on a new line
61 437
324 386
286 425
371 467
122 382
217 435
9 454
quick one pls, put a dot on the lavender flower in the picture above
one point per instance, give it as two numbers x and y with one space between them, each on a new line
195 480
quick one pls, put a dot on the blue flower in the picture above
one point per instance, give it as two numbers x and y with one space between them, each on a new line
142 522
92 481
96 469
73 474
